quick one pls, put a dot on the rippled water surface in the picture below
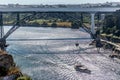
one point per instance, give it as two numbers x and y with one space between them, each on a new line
55 59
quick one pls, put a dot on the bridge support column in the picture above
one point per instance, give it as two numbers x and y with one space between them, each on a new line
98 20
1 26
81 17
2 41
92 23
18 19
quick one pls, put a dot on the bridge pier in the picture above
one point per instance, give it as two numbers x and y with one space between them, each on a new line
18 19
2 42
81 17
1 26
98 19
92 23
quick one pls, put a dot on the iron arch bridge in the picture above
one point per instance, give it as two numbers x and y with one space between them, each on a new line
34 11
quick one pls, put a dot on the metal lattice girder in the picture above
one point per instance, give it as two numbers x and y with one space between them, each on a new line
88 31
16 26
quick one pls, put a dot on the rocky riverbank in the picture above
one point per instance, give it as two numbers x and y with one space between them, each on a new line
8 68
111 42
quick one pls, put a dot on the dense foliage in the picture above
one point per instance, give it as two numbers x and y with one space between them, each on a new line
112 24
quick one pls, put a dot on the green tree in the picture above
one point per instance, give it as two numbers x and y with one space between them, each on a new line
118 19
35 24
44 24
53 24
76 24
109 23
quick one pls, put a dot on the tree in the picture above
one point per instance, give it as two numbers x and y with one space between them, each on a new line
118 19
53 24
44 24
76 24
117 33
35 24
112 24
117 16
109 24
109 21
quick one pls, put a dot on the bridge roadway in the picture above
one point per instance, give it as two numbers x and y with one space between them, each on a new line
60 9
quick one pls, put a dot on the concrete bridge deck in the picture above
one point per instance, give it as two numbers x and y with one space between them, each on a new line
62 9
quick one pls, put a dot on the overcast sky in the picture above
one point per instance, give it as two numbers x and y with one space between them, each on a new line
54 1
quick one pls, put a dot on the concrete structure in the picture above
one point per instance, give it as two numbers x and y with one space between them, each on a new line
60 9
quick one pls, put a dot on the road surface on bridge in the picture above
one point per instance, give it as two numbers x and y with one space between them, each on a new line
67 9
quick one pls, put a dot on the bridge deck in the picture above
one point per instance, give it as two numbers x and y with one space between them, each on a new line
67 9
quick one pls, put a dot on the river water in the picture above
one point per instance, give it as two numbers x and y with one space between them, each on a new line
55 59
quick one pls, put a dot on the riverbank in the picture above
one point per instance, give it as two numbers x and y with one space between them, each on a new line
113 43
8 69
114 47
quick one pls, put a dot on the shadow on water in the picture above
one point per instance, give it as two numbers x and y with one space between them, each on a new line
49 39
46 49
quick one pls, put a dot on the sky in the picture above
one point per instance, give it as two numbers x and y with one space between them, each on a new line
50 2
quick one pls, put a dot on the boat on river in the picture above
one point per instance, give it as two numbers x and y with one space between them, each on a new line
82 68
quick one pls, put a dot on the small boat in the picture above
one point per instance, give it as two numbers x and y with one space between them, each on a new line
76 44
82 68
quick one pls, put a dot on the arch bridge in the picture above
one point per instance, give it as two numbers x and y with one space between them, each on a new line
34 11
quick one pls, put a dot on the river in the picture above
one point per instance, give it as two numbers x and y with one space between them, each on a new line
55 59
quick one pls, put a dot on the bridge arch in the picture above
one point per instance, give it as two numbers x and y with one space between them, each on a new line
17 23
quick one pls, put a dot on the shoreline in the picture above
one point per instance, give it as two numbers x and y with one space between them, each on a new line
8 68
